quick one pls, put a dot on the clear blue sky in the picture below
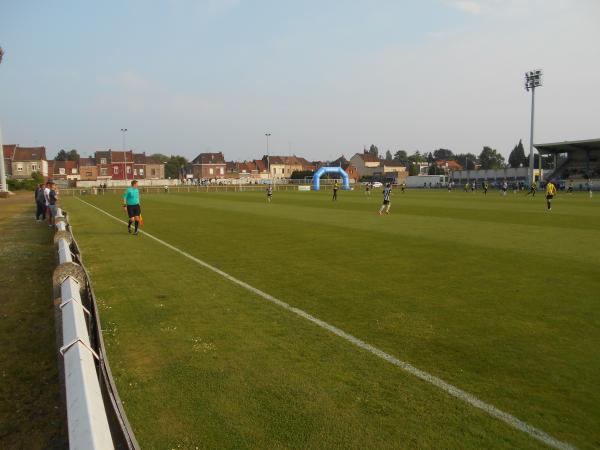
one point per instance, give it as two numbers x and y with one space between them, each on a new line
324 77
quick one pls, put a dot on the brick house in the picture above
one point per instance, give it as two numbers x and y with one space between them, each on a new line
347 166
87 169
139 166
64 170
209 166
103 166
155 170
121 165
27 160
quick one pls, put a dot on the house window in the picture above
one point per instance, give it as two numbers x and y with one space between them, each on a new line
33 167
88 174
61 170
102 160
153 172
142 172
74 171
104 171
128 169
222 171
19 167
115 170
210 171
135 172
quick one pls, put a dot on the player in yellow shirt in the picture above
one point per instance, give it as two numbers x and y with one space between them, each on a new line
550 193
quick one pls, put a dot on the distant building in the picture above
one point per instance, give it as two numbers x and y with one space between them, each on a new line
121 165
155 170
103 165
448 165
284 166
64 170
366 164
209 166
27 160
88 171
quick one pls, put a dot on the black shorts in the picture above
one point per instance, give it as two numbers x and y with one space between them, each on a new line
549 197
386 202
134 210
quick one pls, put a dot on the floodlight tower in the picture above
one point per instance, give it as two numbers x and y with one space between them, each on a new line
533 79
123 131
268 159
3 185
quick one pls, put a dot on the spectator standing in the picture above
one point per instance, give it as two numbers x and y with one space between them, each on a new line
52 205
40 202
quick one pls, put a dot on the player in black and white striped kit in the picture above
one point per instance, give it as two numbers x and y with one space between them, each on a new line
386 200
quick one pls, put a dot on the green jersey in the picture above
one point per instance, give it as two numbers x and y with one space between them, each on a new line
132 196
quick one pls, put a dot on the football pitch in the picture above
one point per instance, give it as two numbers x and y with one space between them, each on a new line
234 323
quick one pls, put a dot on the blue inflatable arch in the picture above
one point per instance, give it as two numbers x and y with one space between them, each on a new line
323 170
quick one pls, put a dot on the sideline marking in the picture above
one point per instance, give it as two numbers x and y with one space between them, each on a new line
425 376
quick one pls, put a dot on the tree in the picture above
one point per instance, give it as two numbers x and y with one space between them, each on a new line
160 157
61 155
491 159
73 155
416 157
517 157
401 156
301 174
467 160
174 166
413 169
388 157
443 153
373 150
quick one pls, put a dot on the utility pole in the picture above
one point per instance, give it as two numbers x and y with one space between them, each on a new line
268 159
533 79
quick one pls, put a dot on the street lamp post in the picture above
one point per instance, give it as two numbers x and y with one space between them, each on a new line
3 185
533 79
123 131
268 158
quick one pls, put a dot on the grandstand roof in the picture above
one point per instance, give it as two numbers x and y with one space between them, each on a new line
569 146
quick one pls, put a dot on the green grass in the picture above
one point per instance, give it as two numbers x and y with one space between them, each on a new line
31 415
491 294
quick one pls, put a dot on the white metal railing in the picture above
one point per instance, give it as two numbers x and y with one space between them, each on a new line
86 414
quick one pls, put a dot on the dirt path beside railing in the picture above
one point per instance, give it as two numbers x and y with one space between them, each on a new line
31 415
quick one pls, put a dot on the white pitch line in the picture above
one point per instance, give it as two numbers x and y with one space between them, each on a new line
425 376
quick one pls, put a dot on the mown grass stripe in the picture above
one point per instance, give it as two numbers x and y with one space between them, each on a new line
456 392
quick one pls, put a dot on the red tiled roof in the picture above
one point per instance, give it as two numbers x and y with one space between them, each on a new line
29 154
139 158
9 150
261 165
67 165
453 165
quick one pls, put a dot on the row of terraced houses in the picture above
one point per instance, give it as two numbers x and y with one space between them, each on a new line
104 166
21 162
